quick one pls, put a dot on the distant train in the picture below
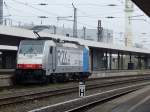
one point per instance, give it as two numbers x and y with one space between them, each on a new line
51 61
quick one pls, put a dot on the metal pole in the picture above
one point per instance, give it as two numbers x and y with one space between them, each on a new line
99 31
54 27
118 60
75 22
84 32
1 12
110 60
106 61
128 23
145 61
130 58
122 67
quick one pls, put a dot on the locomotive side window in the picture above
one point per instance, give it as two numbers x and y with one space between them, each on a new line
51 50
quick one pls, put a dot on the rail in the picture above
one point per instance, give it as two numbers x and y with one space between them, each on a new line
32 95
80 104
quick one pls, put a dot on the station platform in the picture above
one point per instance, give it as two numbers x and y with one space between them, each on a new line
110 73
6 71
6 77
137 101
5 80
7 74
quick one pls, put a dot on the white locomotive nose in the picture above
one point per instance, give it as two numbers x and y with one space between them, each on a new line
31 61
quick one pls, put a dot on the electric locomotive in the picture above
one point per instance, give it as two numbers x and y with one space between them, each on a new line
51 61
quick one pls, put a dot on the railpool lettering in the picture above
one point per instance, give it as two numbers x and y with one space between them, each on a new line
69 57
63 57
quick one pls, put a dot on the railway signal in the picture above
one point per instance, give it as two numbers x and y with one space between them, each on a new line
81 89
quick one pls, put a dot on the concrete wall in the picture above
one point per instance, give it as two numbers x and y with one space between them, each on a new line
108 73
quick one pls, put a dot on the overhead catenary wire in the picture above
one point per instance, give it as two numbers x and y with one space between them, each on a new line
41 10
17 21
7 8
26 4
36 16
88 16
18 10
96 16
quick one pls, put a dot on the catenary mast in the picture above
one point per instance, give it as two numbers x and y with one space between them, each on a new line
1 12
128 22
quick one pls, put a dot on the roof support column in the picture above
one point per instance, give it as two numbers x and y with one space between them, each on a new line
122 62
3 60
118 61
130 58
146 62
0 59
110 60
106 61
139 62
91 59
130 63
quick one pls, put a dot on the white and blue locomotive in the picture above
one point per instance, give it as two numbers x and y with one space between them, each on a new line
48 60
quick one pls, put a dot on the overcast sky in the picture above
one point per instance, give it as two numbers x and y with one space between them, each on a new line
88 11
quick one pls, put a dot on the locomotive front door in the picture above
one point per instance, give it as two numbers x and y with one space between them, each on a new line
50 60
54 59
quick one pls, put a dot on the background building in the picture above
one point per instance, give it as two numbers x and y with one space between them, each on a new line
88 34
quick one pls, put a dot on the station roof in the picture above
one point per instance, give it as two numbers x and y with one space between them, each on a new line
16 31
93 44
5 47
11 36
143 5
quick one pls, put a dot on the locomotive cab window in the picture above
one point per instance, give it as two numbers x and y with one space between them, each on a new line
31 47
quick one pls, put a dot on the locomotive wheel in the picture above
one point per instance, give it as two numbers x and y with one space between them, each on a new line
44 80
16 80
47 80
61 78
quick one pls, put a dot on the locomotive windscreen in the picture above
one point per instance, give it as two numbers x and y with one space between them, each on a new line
31 47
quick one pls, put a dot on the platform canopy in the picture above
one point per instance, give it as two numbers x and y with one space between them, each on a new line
5 47
11 36
144 5
99 45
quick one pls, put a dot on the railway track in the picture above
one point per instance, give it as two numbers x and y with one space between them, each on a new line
6 76
87 102
104 97
25 96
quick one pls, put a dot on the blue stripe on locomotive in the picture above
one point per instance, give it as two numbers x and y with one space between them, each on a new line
85 60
